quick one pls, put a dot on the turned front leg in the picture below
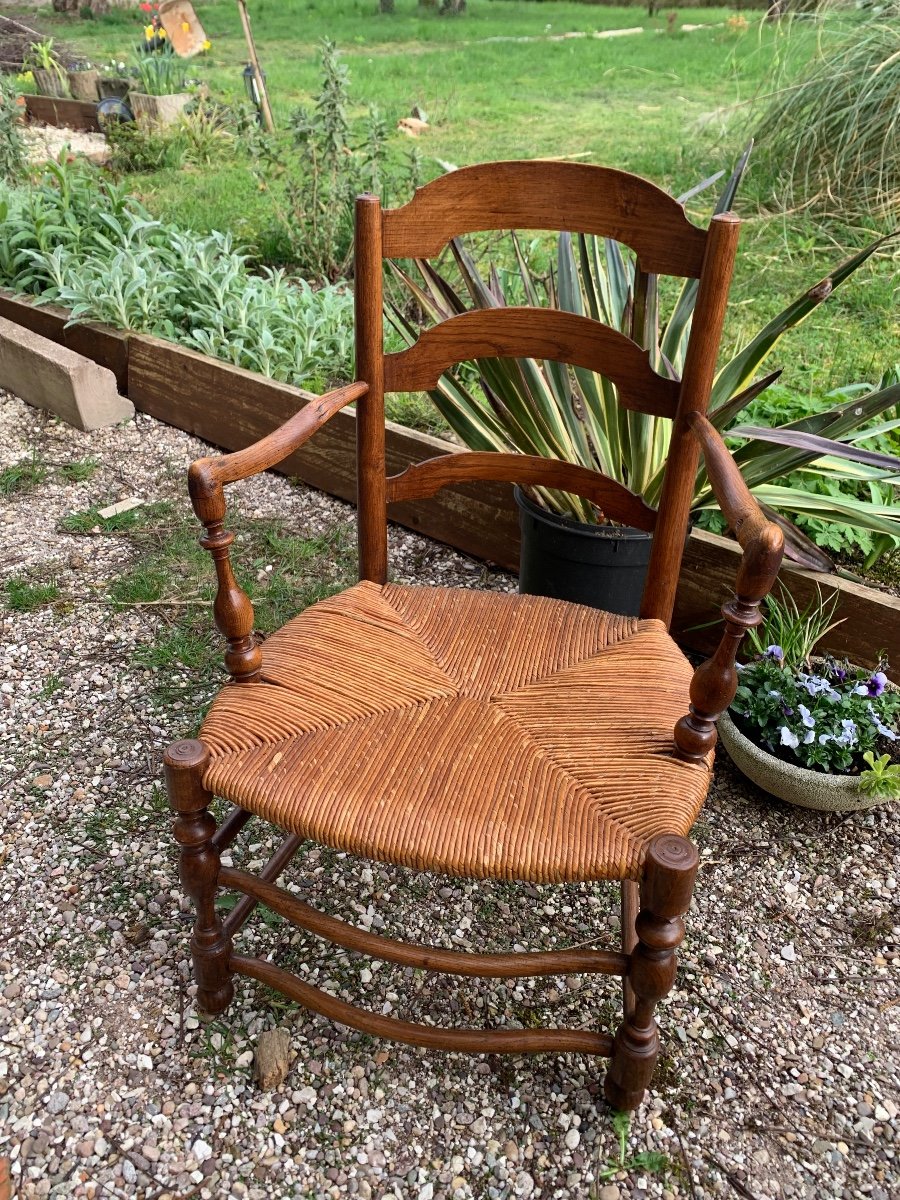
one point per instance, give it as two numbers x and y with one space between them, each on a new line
669 871
185 764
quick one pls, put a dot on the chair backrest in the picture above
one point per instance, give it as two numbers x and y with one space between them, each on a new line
571 197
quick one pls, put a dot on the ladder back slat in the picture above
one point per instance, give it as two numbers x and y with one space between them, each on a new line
615 501
533 333
535 194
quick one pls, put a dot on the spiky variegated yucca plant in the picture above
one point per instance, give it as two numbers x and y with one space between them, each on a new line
548 409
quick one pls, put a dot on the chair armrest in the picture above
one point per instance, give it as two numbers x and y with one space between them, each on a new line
714 683
206 479
207 476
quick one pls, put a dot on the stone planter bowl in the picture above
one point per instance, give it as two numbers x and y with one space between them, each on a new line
794 784
158 110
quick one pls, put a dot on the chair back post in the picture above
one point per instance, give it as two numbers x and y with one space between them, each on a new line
370 434
684 451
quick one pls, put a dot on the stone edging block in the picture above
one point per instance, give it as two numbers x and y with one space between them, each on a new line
50 376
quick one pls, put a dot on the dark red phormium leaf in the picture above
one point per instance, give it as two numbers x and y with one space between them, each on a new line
819 446
797 546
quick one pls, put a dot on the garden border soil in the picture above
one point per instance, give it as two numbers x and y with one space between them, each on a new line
231 407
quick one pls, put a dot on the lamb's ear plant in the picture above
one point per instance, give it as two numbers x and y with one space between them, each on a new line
542 408
12 144
78 239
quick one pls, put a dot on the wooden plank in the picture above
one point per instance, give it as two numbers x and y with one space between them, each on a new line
546 194
515 332
63 113
871 619
106 346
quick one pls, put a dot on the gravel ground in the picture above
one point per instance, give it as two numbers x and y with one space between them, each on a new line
46 142
779 1076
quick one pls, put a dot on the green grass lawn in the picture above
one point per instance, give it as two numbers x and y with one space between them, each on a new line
674 106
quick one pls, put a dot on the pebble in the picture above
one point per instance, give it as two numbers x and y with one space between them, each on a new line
57 1102
201 1150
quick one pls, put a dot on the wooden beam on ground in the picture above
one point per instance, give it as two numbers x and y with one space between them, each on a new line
63 113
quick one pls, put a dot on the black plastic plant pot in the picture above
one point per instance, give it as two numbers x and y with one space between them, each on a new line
603 566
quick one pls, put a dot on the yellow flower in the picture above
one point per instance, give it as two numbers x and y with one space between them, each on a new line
149 32
185 27
207 45
162 34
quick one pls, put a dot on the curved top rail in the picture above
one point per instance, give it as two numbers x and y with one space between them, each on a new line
536 194
534 333
614 500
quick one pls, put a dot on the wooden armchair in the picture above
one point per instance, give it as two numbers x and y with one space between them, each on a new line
479 734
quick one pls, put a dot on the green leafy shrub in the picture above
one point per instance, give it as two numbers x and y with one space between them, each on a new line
318 178
77 239
12 144
134 147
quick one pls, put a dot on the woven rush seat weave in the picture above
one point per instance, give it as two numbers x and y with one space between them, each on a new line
473 733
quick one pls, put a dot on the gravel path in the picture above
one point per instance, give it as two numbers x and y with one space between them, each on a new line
779 1076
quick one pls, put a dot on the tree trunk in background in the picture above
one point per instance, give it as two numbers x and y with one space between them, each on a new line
387 6
452 7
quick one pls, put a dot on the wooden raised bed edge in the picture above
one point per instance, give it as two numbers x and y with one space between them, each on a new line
63 113
231 407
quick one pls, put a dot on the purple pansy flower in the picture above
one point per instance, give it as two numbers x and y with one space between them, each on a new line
776 653
817 686
877 683
788 738
882 728
872 687
806 716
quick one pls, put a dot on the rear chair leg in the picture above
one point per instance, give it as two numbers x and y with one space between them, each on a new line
666 887
185 764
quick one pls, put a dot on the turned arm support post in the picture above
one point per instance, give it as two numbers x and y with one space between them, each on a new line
206 483
715 682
